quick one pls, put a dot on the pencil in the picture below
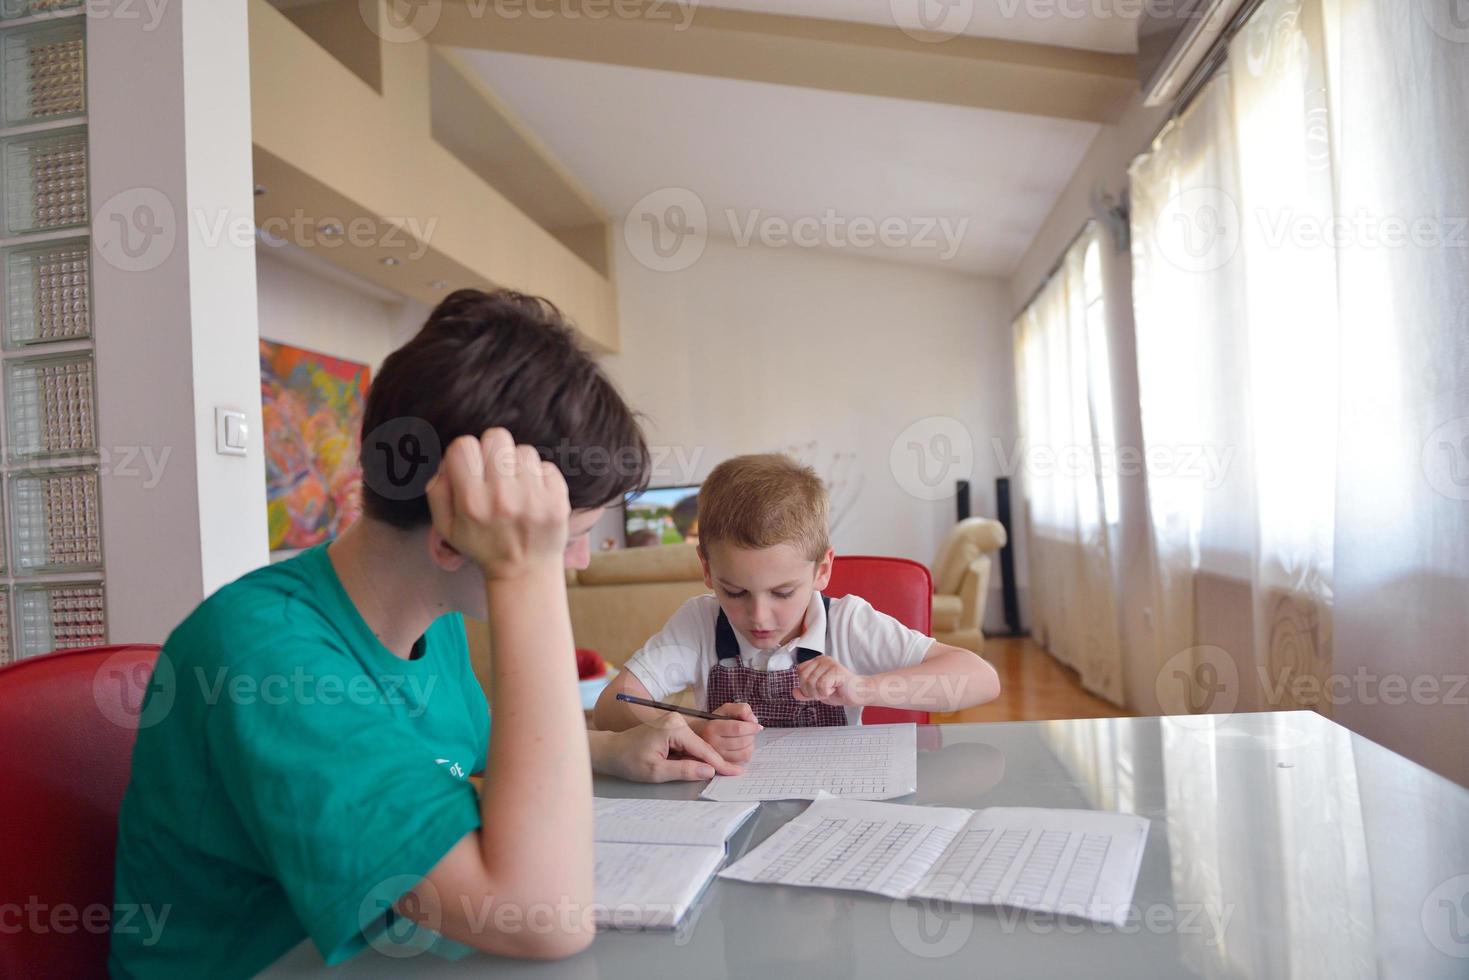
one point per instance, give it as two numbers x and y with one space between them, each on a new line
664 706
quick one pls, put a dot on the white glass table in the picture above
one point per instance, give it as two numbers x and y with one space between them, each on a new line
1281 845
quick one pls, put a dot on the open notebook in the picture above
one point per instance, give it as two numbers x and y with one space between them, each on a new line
656 857
1073 862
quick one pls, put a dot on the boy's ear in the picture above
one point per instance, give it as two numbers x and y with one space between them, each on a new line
443 554
704 564
823 570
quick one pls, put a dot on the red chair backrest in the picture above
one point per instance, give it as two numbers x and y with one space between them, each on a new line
900 588
67 726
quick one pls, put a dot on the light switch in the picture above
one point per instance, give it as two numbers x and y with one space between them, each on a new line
231 432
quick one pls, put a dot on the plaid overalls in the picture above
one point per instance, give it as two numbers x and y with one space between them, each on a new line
769 693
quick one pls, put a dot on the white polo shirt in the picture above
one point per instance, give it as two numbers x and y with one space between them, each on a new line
863 640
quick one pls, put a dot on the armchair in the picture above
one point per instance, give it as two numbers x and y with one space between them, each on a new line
961 581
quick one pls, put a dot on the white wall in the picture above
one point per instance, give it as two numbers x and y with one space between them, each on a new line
302 307
755 349
170 157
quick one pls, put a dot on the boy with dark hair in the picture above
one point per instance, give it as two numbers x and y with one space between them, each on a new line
309 730
767 648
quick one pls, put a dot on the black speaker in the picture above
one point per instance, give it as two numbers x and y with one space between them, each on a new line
1007 557
961 494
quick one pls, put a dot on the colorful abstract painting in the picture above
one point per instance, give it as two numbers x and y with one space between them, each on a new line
312 409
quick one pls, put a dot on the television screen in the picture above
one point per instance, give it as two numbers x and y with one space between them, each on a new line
661 515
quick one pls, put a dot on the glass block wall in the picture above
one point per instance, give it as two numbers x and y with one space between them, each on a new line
51 588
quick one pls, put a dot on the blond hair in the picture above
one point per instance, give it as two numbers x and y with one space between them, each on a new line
761 501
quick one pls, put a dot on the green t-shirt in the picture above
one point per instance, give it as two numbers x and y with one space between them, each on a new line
292 778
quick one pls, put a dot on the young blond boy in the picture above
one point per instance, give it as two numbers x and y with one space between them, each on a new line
767 649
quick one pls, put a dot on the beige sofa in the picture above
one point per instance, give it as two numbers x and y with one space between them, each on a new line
617 602
623 597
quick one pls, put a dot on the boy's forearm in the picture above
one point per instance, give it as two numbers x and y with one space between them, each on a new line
612 715
536 810
949 680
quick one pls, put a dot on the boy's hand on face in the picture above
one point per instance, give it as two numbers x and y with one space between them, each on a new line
500 505
735 738
665 751
823 679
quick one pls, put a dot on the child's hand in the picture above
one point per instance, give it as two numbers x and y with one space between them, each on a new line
734 739
823 679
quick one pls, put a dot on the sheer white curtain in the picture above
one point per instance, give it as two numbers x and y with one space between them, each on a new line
1235 298
1069 474
1400 88
1301 289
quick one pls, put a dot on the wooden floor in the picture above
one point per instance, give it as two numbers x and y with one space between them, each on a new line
1034 686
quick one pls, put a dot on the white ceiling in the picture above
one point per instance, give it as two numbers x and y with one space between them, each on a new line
1095 25
772 151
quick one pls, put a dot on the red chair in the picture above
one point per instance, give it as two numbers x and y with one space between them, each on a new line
900 588
68 721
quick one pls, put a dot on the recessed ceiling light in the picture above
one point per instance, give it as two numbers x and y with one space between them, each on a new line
331 230
439 284
390 261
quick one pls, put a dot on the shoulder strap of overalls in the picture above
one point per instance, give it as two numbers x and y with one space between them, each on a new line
727 645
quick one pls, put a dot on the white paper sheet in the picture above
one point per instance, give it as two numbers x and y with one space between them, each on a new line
857 845
650 886
857 762
1075 862
668 821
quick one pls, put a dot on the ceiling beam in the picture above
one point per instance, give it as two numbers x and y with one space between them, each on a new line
334 154
865 59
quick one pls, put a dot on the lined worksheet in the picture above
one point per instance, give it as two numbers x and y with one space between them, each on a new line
856 762
856 845
1075 862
